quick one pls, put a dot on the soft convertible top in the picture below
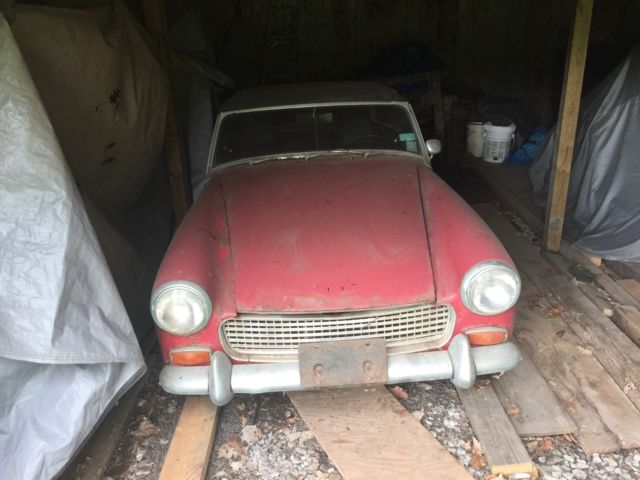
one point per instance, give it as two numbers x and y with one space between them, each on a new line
309 93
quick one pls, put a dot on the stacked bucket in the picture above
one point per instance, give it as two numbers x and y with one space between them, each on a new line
490 142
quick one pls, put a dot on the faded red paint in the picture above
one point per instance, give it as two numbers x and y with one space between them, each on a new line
200 252
459 239
328 234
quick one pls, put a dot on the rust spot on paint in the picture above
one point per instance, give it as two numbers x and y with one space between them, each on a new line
224 242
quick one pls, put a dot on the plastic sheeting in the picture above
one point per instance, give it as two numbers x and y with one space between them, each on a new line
67 349
603 206
105 93
106 97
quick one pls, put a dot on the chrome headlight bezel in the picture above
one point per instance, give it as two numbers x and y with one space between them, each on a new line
480 269
192 288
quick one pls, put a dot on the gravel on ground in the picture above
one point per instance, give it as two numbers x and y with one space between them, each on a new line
263 437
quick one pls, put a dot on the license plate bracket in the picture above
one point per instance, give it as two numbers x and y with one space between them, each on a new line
343 363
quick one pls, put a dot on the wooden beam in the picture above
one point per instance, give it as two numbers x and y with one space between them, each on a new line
368 434
188 455
174 152
566 126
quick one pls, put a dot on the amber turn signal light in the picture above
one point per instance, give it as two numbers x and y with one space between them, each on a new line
482 337
190 357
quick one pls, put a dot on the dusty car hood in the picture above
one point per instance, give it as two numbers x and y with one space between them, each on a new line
327 234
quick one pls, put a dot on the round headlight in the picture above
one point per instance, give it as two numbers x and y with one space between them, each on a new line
490 288
181 307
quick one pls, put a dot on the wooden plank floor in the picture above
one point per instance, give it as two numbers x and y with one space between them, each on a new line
534 409
500 442
513 187
613 349
555 337
368 434
632 286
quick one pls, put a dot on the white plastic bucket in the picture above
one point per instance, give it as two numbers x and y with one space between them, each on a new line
498 141
475 138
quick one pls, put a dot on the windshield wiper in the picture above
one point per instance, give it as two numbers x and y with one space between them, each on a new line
351 152
364 153
282 157
308 156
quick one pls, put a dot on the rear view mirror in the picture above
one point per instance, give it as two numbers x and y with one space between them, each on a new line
434 147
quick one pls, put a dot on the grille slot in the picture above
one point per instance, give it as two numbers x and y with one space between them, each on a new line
273 337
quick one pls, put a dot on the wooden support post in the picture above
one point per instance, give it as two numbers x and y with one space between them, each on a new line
566 126
156 23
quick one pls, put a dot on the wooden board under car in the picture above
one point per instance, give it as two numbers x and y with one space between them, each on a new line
369 435
190 448
500 443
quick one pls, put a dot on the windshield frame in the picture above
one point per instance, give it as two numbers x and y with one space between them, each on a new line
212 166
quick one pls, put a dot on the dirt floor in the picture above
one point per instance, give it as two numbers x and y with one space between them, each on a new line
264 437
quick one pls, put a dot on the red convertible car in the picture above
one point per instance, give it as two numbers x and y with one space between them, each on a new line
325 252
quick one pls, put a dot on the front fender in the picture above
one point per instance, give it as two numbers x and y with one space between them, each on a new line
458 240
200 252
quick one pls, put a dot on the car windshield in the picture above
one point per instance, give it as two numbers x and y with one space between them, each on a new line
325 128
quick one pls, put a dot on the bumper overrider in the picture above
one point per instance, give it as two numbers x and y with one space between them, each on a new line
461 363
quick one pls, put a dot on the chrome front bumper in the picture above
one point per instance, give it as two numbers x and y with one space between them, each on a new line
221 380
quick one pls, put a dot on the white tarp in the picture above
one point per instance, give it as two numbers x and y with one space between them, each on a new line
67 349
106 97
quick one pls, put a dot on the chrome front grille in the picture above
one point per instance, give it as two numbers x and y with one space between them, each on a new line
273 337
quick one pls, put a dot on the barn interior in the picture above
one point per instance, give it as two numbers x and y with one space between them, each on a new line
107 112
